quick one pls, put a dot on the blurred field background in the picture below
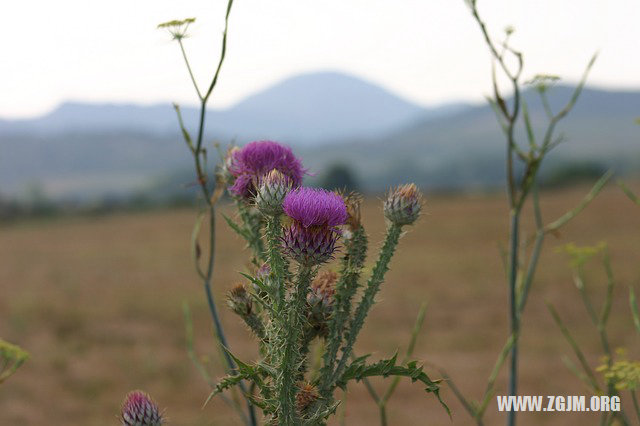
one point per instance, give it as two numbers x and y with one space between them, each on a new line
97 301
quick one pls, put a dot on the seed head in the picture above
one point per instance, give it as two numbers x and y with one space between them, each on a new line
239 300
307 395
320 300
403 204
139 409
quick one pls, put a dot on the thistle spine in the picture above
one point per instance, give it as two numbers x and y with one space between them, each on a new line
373 286
346 288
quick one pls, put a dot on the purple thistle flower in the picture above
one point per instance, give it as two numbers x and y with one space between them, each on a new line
139 409
316 214
315 207
251 163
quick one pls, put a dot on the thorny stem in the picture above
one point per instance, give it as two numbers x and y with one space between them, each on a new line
346 288
377 276
286 381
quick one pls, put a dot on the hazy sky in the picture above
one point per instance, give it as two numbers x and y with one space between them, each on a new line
429 51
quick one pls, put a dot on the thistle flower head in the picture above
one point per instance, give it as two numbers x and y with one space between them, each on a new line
239 300
252 162
307 395
139 409
403 204
274 187
315 207
320 300
312 235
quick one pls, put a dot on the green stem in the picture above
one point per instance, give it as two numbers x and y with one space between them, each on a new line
276 261
373 286
287 368
346 289
383 414
513 308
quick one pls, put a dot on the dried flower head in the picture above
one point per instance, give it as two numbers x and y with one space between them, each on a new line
252 162
239 300
307 395
312 235
403 204
353 201
320 300
138 409
273 188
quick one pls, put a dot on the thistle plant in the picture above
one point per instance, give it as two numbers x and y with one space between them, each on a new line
291 298
294 299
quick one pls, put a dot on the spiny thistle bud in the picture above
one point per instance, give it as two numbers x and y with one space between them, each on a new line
307 395
353 201
403 204
249 164
239 300
139 409
312 235
273 189
320 300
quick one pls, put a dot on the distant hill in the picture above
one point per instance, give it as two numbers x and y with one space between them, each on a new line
466 149
305 109
116 147
92 150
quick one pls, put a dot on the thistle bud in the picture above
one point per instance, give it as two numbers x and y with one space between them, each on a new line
307 395
273 188
239 300
320 300
353 201
403 204
139 409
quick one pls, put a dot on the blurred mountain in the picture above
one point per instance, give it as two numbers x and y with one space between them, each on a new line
304 109
467 149
91 150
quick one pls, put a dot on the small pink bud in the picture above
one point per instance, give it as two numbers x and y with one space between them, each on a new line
139 409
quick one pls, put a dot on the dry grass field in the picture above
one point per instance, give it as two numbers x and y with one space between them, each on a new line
97 303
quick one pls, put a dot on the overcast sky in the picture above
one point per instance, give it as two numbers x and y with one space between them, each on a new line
428 51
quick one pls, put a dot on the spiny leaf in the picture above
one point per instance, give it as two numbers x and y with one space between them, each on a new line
358 370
